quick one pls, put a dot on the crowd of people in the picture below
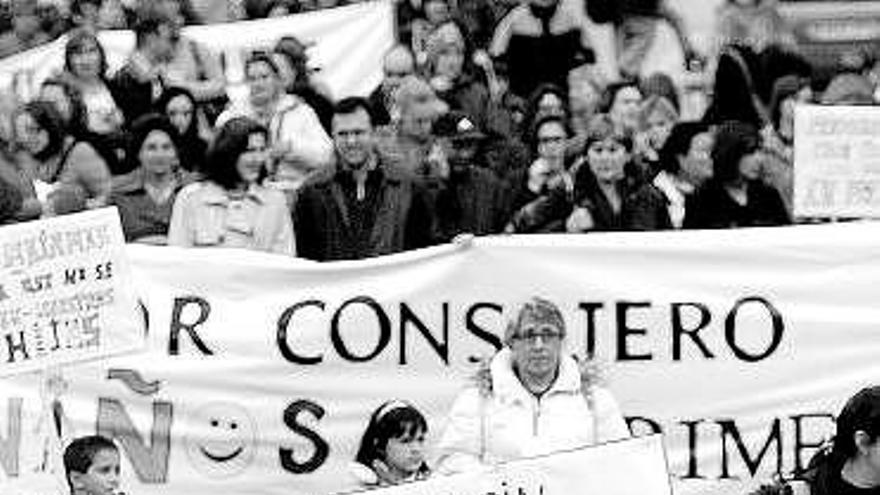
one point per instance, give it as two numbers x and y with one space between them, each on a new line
491 118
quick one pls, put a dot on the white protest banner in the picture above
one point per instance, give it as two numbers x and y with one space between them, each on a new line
837 161
349 44
65 292
262 371
629 467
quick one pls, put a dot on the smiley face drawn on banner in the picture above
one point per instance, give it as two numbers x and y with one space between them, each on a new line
222 439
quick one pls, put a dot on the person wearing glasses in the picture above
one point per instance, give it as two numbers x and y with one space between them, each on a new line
533 400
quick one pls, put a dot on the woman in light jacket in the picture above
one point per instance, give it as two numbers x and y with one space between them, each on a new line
231 207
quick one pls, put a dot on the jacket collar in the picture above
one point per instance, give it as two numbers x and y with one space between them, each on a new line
508 388
218 196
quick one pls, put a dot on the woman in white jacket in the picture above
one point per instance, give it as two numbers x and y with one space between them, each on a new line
299 145
531 401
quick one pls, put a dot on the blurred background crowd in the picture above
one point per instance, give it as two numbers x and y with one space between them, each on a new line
492 116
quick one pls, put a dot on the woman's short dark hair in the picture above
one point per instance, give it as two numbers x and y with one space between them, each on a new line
733 141
76 40
48 118
679 143
140 129
861 413
231 142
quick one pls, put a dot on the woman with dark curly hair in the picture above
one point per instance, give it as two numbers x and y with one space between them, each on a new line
232 207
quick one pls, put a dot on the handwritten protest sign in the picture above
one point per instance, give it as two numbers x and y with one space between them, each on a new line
628 467
837 161
65 292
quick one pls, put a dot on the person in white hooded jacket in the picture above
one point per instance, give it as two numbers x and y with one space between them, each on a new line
299 144
532 400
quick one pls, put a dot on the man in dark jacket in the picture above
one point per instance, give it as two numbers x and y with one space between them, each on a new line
468 198
367 207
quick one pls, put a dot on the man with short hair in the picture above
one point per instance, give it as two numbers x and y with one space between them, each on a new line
367 207
533 399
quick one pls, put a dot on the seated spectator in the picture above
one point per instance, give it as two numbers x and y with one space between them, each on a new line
541 196
396 65
540 41
293 61
657 116
408 142
298 144
434 15
68 101
140 82
735 196
622 102
661 84
145 203
85 66
635 27
549 99
685 165
584 97
367 207
26 30
609 192
850 466
55 158
735 89
232 207
454 79
778 140
468 198
182 111
190 65
95 15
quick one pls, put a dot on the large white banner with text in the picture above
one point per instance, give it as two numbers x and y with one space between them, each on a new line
739 346
348 46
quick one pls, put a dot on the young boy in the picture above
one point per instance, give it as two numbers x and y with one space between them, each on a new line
92 466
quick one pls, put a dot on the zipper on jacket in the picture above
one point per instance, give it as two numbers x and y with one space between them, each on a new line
536 416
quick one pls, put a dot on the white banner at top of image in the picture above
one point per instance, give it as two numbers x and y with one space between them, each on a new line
348 46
